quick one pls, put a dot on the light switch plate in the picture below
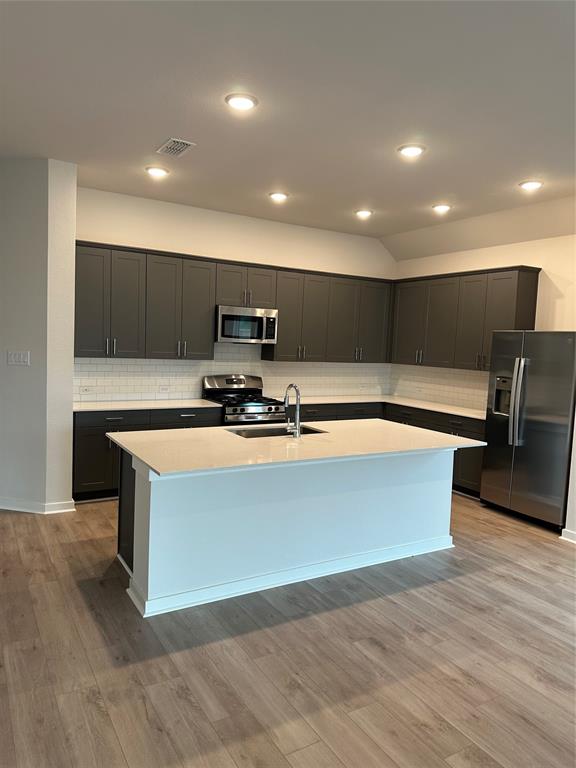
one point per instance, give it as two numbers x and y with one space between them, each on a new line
18 358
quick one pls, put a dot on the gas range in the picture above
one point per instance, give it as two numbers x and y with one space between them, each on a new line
241 398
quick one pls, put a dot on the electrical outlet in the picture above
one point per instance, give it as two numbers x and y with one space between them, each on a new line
164 389
87 390
18 358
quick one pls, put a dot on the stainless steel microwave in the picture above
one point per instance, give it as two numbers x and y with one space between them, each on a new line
247 325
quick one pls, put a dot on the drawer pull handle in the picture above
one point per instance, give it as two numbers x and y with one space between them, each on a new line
114 418
187 415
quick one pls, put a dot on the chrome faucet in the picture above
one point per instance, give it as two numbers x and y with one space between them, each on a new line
293 428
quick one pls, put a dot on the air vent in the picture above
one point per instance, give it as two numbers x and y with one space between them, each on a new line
175 147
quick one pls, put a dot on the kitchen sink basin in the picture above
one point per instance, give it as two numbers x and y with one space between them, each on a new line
278 431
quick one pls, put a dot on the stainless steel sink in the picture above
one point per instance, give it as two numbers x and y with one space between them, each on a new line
279 431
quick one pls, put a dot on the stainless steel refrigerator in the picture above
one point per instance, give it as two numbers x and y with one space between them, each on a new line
529 422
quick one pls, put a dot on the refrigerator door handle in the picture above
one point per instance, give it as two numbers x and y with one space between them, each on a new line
512 407
518 400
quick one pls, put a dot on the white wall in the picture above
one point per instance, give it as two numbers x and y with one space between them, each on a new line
556 309
138 222
37 221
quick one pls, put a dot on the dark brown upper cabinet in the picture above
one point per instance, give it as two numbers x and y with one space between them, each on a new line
240 286
441 322
110 303
262 287
198 309
290 300
358 320
128 304
470 329
164 307
302 302
315 318
492 301
92 303
181 298
410 310
510 305
342 343
374 321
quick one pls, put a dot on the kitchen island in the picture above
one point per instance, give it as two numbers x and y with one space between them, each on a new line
216 514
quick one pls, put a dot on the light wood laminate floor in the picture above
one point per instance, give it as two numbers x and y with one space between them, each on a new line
458 659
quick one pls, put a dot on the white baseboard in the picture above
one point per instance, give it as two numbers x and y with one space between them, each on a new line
36 507
568 535
210 594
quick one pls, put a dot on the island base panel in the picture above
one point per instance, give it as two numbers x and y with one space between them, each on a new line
199 538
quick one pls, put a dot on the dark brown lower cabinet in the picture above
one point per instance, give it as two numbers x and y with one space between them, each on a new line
96 463
467 461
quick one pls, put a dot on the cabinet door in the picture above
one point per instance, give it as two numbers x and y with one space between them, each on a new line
163 306
92 308
342 339
441 322
409 321
262 287
93 460
290 297
373 321
468 465
231 285
198 309
315 317
128 304
501 294
471 312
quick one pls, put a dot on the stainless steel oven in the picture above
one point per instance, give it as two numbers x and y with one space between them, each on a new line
247 325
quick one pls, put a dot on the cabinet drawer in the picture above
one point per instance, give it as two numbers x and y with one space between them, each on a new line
443 422
360 411
191 417
112 418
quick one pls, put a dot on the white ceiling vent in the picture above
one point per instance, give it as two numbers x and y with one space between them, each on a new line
175 147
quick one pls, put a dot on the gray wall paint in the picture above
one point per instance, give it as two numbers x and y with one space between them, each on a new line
37 220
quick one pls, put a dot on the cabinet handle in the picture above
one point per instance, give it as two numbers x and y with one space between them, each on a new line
178 346
417 356
483 362
421 356
185 348
304 352
114 418
477 360
187 415
298 352
250 297
107 347
114 347
356 354
361 353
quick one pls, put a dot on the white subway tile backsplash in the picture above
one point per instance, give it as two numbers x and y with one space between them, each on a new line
115 379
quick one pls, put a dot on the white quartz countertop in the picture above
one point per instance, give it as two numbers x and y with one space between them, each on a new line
210 449
144 405
141 405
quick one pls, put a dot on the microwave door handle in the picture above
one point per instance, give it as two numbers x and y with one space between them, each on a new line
512 406
518 400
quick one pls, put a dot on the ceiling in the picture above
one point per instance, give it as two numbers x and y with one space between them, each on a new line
488 87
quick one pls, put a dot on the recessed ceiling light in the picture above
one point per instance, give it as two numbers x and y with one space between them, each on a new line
441 208
364 214
278 197
531 185
241 102
411 151
156 172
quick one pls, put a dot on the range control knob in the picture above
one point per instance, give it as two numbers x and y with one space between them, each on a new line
269 408
234 410
242 410
277 408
